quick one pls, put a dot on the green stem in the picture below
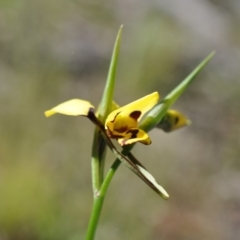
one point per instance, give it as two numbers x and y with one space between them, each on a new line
113 169
95 163
98 154
95 215
109 176
98 201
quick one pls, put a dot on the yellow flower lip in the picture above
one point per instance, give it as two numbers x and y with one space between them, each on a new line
74 107
122 123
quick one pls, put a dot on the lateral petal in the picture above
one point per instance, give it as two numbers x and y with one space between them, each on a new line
173 120
74 107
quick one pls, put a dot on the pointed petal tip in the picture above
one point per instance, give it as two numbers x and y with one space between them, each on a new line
49 113
160 190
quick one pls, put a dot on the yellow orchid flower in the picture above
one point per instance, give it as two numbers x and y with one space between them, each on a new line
173 120
121 124
126 118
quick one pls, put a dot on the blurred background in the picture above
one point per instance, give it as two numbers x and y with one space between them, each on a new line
52 51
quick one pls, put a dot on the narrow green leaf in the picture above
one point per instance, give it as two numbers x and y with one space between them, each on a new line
105 106
157 113
177 92
107 98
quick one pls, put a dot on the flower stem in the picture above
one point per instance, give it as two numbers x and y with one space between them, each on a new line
98 201
98 154
95 163
109 176
95 215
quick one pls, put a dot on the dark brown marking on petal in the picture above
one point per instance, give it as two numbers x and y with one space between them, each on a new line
135 115
122 129
115 117
134 133
117 136
111 135
176 120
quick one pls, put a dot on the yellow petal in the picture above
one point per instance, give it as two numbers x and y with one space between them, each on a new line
128 116
74 107
135 135
173 120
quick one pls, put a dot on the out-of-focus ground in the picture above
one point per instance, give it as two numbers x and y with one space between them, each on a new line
52 51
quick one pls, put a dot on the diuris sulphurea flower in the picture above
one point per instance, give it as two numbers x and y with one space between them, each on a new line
121 124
